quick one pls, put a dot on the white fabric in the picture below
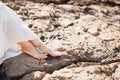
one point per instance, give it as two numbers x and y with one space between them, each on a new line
13 51
12 30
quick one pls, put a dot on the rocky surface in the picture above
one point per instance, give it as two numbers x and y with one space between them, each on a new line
86 71
37 75
24 64
88 30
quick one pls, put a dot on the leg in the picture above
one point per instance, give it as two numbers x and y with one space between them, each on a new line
29 49
44 48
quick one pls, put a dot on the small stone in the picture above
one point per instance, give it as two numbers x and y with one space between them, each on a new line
37 75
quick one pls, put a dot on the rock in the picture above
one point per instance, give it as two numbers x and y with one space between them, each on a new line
89 2
117 73
111 1
18 66
82 2
83 73
93 31
65 22
92 51
37 75
78 2
51 1
89 30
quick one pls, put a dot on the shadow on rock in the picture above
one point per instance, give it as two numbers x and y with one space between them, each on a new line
21 65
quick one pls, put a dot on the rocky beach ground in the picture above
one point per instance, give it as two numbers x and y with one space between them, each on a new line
87 30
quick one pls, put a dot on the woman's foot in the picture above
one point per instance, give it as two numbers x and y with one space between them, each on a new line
34 54
44 48
29 49
55 53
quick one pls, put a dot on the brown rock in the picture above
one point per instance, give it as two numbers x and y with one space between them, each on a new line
81 73
89 2
90 33
117 73
37 75
51 1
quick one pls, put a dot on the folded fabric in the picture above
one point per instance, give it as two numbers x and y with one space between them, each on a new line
12 31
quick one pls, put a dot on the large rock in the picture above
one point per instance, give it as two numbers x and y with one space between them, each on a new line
89 2
77 2
85 31
23 64
89 72
89 33
81 2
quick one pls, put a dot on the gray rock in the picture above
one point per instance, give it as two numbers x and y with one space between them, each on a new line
23 64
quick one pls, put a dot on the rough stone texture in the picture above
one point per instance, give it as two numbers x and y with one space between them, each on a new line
85 32
89 33
37 75
89 72
89 2
24 64
51 1
76 2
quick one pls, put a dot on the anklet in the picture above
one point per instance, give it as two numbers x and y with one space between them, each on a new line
39 50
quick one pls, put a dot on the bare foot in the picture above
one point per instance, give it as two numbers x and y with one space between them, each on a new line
34 54
55 53
44 48
29 49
